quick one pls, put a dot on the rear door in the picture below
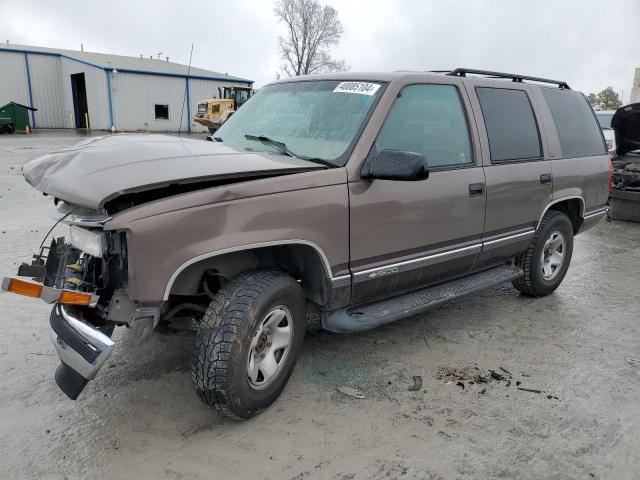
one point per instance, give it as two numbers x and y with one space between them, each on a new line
518 174
407 234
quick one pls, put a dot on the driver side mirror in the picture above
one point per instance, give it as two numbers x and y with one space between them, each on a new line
396 165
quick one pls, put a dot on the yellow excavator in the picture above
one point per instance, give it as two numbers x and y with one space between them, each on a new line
214 112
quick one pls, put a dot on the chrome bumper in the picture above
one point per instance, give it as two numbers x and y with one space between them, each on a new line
82 349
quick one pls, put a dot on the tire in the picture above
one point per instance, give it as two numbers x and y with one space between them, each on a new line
228 350
539 281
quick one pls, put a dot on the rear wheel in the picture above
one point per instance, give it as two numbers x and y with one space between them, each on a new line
249 342
547 259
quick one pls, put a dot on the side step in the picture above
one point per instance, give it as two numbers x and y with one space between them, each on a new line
371 315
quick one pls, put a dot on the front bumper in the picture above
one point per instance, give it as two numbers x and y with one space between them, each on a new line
82 349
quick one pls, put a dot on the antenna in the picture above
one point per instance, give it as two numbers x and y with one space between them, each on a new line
186 86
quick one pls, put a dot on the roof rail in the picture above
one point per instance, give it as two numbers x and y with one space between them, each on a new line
462 72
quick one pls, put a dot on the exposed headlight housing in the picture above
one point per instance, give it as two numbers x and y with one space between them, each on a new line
93 243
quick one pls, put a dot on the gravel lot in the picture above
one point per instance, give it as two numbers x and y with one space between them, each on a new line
142 419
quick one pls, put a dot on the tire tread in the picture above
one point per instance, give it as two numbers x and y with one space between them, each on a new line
526 260
220 332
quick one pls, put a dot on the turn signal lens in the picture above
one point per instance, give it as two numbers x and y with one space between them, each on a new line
68 297
28 289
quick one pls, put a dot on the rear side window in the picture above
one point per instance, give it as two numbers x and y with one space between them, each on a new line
576 125
511 124
428 119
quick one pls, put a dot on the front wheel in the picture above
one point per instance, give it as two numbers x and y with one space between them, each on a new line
547 259
249 342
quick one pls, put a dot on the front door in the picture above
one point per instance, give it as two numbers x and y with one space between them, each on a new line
409 234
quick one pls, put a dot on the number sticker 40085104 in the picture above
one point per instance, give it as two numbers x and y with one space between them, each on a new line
362 88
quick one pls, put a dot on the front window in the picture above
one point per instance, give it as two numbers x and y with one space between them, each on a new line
242 96
428 119
317 119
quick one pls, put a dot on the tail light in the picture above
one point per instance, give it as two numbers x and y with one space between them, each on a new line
610 182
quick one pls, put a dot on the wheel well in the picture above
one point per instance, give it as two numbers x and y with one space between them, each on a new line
571 207
302 262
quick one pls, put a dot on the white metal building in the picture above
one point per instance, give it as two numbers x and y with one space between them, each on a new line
72 88
635 90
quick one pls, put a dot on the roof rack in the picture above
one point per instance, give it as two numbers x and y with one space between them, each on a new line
462 72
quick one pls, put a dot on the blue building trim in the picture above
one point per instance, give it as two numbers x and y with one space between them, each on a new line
180 75
128 70
188 105
110 98
26 64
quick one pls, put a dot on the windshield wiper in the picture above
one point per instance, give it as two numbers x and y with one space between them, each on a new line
281 146
284 150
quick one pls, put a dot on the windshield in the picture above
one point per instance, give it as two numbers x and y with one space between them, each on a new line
604 119
316 119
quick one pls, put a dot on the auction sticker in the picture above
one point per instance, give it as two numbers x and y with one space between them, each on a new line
363 88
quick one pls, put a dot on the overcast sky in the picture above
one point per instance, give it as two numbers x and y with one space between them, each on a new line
584 42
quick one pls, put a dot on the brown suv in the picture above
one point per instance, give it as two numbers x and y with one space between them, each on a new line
362 198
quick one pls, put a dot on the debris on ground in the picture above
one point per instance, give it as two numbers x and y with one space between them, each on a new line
473 376
379 342
351 392
532 390
417 383
464 373
634 362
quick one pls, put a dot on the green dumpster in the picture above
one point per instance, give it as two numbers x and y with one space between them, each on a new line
17 114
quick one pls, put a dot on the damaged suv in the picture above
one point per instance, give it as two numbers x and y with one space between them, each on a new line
348 200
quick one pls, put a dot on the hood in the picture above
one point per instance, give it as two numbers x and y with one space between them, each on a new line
103 168
626 125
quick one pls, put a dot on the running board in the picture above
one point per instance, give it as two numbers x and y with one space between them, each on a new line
371 315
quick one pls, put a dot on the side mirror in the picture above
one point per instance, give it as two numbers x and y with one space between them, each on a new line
396 165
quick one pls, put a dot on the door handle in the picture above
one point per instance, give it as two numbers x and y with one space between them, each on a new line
546 178
476 189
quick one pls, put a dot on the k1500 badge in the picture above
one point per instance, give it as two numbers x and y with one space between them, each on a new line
382 273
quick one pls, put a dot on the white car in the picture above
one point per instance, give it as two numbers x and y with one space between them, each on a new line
604 119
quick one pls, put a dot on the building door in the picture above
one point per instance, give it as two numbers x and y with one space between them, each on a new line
79 92
405 234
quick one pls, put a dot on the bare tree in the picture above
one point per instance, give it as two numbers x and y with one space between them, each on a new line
311 31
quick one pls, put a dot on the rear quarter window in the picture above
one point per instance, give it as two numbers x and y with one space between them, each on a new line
576 124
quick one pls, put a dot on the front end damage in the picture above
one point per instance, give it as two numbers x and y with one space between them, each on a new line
85 277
